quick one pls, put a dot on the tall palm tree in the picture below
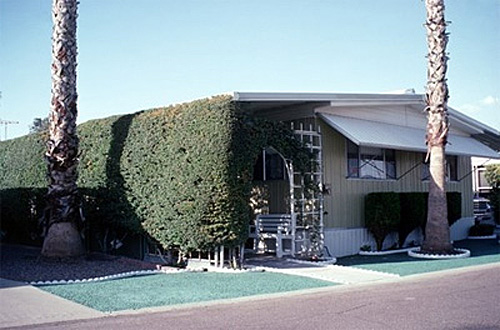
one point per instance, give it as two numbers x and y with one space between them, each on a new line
437 232
63 212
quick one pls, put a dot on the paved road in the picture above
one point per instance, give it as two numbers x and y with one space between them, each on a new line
467 298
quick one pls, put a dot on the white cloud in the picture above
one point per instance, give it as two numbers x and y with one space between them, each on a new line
490 100
485 110
470 108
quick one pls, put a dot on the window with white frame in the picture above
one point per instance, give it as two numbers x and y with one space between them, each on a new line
451 168
269 166
482 182
370 163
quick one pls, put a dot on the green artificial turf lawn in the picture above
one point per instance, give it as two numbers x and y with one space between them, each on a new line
482 252
179 288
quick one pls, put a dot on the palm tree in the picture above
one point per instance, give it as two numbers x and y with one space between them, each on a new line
62 238
437 232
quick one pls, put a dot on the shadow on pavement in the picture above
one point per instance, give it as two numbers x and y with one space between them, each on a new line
4 284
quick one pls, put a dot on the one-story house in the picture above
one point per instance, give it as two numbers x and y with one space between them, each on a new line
365 143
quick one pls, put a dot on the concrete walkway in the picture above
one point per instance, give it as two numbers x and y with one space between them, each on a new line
331 273
337 274
22 304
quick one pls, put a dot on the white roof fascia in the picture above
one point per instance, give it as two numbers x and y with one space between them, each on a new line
329 97
368 103
471 122
279 96
467 127
360 99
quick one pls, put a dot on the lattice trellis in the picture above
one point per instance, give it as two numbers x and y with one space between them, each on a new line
306 197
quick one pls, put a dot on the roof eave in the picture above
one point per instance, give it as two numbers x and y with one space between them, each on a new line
325 97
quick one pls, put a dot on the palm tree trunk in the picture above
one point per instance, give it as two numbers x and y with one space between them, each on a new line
63 217
437 232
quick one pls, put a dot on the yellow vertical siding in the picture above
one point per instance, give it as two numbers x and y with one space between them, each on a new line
345 204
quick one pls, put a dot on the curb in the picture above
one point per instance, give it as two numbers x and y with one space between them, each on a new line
464 254
383 253
483 237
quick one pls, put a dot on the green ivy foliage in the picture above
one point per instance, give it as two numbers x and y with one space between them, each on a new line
181 174
21 162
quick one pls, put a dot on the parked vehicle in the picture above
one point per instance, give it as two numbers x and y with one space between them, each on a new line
483 211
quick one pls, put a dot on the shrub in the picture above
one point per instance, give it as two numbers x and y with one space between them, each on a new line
413 213
454 205
382 215
481 230
21 162
181 174
494 197
20 211
493 177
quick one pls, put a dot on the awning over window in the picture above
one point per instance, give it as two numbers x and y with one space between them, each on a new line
383 135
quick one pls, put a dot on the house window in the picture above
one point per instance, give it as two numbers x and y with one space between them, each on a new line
370 163
269 166
481 176
451 169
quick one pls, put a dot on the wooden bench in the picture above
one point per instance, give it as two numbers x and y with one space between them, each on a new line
279 227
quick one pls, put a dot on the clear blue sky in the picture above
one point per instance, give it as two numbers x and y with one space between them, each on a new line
136 55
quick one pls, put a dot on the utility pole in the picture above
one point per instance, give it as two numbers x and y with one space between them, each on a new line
6 123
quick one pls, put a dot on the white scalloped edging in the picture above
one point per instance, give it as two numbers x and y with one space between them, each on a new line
483 237
387 252
142 273
465 254
329 261
113 277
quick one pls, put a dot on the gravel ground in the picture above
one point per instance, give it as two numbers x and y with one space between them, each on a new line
23 263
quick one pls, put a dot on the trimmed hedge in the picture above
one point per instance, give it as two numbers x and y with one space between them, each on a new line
404 212
21 162
382 215
454 203
20 211
181 174
413 213
480 229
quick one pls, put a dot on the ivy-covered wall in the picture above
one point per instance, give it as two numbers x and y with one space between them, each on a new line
182 174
